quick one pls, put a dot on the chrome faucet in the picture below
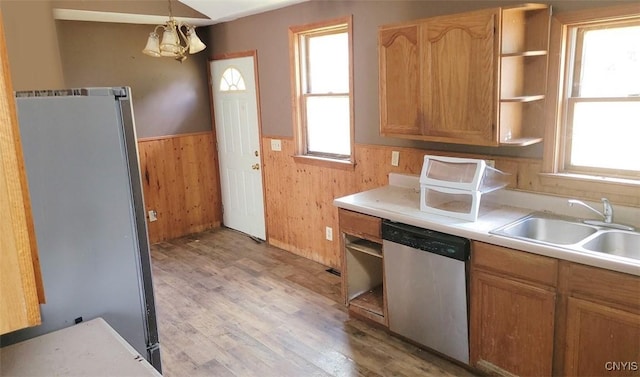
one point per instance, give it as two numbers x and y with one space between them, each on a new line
607 214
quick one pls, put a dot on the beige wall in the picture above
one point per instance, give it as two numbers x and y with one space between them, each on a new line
32 44
169 97
267 33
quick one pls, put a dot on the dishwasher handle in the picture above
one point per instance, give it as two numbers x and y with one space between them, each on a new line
427 240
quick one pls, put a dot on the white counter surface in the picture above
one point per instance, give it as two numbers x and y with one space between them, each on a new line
400 201
91 348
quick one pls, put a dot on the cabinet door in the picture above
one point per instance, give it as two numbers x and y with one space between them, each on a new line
511 326
460 75
400 112
601 340
20 279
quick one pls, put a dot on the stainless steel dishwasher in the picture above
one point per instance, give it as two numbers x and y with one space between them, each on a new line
426 287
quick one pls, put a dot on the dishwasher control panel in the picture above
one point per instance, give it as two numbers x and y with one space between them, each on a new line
427 240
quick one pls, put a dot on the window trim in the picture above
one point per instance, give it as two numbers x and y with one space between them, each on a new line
297 77
553 174
572 96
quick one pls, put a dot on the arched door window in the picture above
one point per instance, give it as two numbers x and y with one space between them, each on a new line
231 80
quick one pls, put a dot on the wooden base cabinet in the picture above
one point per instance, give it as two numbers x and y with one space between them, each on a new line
601 340
362 266
513 302
532 315
599 335
514 326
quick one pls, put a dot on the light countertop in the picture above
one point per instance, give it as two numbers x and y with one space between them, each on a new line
91 348
400 201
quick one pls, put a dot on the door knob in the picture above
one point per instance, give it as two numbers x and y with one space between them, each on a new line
255 167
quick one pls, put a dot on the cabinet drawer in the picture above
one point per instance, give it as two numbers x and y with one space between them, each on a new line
363 226
601 284
515 263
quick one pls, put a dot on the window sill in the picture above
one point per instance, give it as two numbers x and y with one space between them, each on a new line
324 162
591 183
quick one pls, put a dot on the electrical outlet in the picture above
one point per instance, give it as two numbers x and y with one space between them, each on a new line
276 145
328 232
153 216
395 156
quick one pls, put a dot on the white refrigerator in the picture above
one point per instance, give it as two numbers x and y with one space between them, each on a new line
84 180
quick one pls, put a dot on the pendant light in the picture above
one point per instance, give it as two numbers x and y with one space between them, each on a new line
175 43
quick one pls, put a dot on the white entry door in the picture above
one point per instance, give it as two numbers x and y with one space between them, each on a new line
237 129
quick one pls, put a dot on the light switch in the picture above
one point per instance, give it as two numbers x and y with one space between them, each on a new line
395 156
328 233
276 145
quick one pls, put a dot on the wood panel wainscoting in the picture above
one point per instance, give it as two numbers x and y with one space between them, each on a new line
299 197
181 183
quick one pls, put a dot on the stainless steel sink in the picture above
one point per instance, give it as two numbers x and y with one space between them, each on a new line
548 230
615 242
572 234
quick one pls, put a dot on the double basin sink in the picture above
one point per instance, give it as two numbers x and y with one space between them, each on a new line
570 233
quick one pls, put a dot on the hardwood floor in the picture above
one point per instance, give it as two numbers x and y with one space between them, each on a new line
228 306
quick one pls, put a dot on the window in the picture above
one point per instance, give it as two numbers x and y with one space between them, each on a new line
232 81
601 101
322 84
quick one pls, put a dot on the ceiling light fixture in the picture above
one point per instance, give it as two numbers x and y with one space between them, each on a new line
172 40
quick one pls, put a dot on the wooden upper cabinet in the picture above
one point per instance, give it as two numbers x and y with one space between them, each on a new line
459 82
20 279
475 78
400 110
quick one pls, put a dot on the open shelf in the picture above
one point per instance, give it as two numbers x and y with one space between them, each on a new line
523 73
521 122
363 278
363 270
525 28
524 53
531 98
372 301
521 141
365 246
